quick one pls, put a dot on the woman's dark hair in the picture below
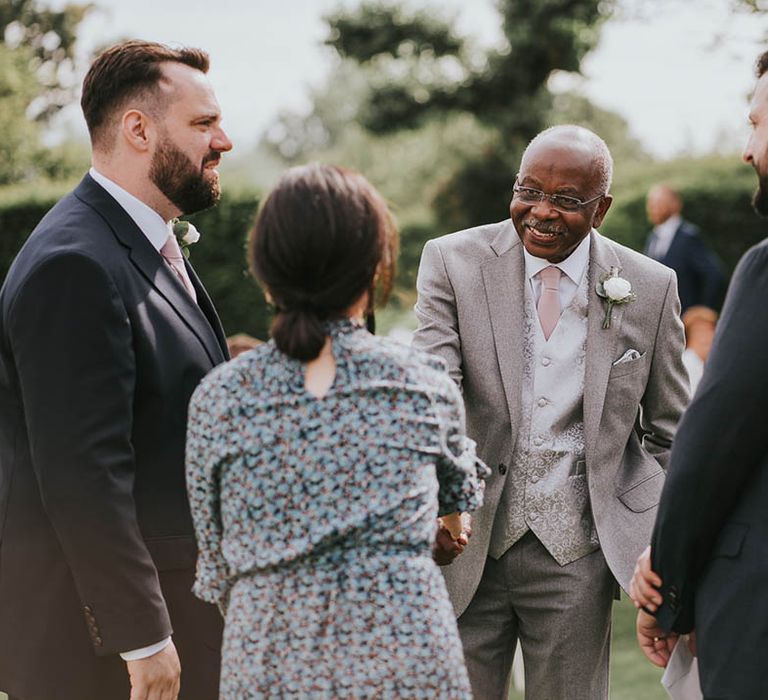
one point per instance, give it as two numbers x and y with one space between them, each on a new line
323 238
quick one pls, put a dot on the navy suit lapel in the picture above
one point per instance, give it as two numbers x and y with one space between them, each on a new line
675 248
208 309
150 264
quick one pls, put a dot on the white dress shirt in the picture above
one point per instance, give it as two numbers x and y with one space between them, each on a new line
152 225
663 235
156 230
573 268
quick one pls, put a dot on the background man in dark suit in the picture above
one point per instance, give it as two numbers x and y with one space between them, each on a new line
677 243
710 542
105 331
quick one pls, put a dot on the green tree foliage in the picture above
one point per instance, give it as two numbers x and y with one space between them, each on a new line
439 71
50 37
425 71
716 193
37 77
19 146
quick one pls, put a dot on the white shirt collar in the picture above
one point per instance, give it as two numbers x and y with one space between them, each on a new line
573 266
147 219
667 229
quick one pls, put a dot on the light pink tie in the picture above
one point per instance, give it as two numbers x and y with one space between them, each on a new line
549 299
175 258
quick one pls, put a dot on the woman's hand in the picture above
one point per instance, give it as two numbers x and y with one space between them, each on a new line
445 548
644 584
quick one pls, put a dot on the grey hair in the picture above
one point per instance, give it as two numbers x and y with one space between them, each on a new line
603 161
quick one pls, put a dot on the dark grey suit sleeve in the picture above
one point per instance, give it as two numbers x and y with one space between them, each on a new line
71 341
720 443
438 331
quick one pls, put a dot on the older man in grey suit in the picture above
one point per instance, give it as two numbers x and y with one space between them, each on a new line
568 350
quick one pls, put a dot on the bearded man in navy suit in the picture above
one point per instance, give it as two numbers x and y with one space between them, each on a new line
105 331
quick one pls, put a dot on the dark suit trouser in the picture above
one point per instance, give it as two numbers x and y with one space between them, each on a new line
560 614
197 629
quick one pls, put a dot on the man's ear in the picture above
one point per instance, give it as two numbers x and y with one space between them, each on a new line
602 210
137 130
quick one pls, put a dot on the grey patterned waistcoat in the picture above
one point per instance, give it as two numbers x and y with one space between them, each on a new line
546 488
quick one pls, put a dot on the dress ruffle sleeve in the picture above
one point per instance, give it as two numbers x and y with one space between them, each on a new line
461 473
204 463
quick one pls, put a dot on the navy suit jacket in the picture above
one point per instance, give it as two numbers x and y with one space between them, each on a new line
100 350
700 278
710 542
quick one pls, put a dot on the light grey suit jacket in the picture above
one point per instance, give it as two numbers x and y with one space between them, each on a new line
470 311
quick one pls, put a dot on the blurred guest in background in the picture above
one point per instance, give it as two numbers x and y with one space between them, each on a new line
678 244
317 465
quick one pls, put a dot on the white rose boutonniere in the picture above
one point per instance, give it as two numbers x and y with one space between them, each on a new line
186 234
615 290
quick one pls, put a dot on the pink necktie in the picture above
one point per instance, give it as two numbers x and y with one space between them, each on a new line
175 258
549 300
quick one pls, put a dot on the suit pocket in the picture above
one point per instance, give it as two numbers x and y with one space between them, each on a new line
645 494
730 540
628 367
173 553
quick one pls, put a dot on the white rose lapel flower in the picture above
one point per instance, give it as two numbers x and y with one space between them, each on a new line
615 290
186 234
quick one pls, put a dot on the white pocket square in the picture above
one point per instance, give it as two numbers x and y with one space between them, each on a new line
628 356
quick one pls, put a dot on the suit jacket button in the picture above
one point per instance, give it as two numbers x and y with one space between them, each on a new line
502 468
98 641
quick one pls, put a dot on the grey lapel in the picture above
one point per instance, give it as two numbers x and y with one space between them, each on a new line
503 278
601 343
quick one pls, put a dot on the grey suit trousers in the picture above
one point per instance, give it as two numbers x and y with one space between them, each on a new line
560 614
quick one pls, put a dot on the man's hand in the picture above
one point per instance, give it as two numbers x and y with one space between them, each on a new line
157 677
656 644
644 584
446 549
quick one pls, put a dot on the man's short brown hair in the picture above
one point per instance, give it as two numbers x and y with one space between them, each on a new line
126 71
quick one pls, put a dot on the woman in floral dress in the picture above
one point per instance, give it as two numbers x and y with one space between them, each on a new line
317 465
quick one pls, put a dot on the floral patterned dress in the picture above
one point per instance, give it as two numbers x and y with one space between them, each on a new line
315 520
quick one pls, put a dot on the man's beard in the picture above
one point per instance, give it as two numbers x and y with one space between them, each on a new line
760 198
176 176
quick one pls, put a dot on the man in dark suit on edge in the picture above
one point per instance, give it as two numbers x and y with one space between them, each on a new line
105 330
678 244
710 542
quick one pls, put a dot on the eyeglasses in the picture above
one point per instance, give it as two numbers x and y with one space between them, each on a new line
561 202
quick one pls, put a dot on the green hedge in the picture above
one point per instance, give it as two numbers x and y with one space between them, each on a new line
716 191
219 256
717 195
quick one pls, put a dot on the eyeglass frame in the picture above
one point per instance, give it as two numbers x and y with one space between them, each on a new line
549 197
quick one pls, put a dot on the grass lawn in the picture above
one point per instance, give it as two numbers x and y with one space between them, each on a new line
632 677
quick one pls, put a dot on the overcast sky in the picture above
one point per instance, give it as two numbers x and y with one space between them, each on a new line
666 74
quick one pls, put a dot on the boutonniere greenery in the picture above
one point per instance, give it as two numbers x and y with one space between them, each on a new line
615 290
186 234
